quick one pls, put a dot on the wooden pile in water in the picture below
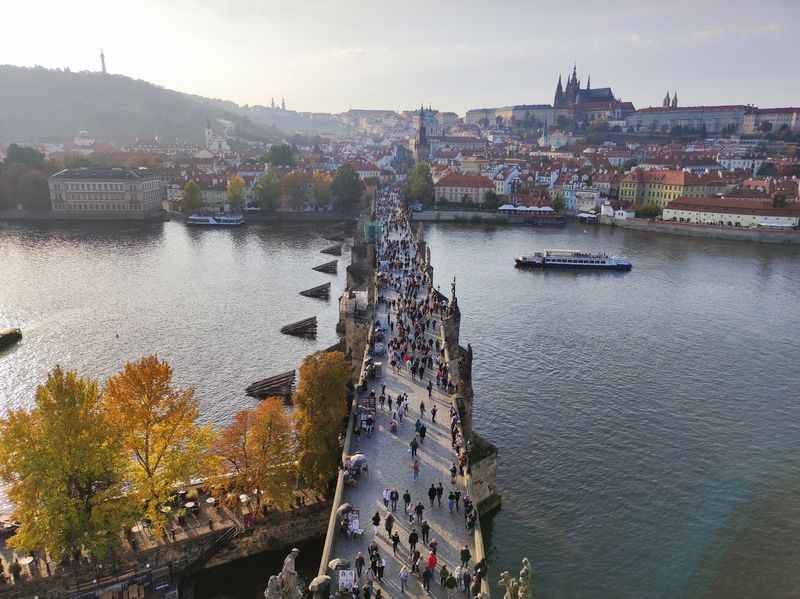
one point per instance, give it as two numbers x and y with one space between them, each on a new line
302 328
328 267
334 250
320 291
280 385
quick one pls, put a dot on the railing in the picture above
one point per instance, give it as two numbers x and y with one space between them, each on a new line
477 538
330 534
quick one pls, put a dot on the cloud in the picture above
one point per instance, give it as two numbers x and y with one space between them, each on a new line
348 52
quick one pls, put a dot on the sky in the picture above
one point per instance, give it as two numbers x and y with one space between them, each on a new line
333 56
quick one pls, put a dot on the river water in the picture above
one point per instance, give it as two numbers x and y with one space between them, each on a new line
648 422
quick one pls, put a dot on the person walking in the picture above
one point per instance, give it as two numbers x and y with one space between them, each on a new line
413 539
459 575
381 568
434 409
393 497
413 445
443 574
415 468
388 524
403 578
426 579
467 582
451 501
360 561
423 430
432 561
376 521
432 494
418 510
450 586
458 497
422 408
407 499
439 492
425 528
430 395
465 556
395 543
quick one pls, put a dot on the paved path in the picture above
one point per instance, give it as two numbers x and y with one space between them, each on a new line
390 465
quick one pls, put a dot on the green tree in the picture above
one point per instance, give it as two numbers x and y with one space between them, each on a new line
320 409
191 198
295 189
23 155
280 155
321 189
157 427
235 192
419 187
346 189
558 203
767 169
779 200
268 191
64 471
491 200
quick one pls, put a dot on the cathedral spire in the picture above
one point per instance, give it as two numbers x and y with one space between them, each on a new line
675 100
666 102
589 81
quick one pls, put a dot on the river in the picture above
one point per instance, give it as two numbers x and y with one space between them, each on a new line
648 422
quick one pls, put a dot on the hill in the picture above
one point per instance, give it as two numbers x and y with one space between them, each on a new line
41 105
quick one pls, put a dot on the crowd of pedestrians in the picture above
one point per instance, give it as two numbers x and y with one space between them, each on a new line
413 311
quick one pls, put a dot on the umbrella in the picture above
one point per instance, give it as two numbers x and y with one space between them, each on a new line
319 582
337 563
358 458
343 509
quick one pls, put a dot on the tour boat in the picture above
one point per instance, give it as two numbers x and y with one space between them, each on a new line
572 259
219 220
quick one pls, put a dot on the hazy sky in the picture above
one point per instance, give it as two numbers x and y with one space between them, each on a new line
331 56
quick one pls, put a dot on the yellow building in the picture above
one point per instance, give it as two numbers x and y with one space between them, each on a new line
660 187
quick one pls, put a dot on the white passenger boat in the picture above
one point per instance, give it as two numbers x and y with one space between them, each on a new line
218 220
572 259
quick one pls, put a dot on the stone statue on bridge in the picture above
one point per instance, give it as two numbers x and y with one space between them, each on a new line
521 588
285 585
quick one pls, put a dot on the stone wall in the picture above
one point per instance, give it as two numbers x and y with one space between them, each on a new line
483 216
310 523
484 475
708 232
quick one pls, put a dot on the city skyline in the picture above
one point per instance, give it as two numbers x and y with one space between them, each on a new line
453 57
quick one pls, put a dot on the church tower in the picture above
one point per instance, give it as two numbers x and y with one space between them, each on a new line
283 103
675 100
421 143
666 101
559 98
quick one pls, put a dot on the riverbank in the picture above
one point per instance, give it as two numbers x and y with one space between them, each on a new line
487 217
707 231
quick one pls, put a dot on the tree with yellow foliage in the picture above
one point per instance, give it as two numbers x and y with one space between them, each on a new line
235 192
64 471
320 409
256 451
321 189
157 427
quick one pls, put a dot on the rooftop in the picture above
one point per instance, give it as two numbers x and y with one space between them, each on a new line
120 174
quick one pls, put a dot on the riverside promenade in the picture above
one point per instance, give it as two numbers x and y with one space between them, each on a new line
391 466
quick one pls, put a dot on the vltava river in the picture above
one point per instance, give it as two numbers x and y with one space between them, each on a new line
648 423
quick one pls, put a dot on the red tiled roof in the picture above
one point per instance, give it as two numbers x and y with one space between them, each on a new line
729 107
457 180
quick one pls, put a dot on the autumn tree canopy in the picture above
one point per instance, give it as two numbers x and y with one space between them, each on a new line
64 471
321 405
157 426
256 452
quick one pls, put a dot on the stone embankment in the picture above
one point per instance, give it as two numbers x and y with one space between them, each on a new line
706 231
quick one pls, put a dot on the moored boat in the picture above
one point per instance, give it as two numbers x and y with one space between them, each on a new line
9 337
572 259
218 220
